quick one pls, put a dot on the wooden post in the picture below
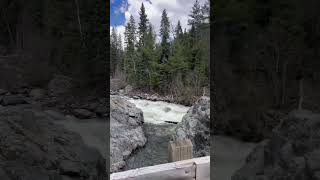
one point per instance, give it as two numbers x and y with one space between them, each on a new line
180 150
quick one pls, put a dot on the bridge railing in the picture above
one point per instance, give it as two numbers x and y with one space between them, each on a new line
191 169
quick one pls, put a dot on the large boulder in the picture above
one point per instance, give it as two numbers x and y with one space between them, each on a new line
126 133
3 91
37 93
128 89
195 125
292 152
60 85
12 100
32 147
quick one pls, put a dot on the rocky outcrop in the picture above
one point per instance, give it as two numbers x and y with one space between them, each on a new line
37 93
33 147
292 152
12 100
60 85
126 133
83 113
195 125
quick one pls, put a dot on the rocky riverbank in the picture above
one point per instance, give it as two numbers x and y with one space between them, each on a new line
195 125
32 146
157 131
126 133
131 92
41 135
293 151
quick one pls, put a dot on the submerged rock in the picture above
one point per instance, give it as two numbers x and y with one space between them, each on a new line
126 133
292 152
195 125
167 109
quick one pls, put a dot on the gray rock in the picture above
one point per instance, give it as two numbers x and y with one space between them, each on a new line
313 160
126 133
167 109
316 175
3 175
101 110
60 85
12 100
128 89
3 91
292 152
195 125
37 93
83 113
70 117
55 114
32 147
70 168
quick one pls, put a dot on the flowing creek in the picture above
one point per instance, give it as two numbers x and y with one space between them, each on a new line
157 131
228 156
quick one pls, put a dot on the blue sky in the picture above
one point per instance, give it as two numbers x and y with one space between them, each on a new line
117 12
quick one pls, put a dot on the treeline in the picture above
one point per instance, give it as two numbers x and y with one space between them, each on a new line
56 37
177 65
266 61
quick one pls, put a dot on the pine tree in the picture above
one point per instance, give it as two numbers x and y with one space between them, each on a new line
149 55
113 51
119 65
164 33
196 16
130 56
142 59
178 31
142 25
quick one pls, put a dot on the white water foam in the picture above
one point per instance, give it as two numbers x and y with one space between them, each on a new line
157 112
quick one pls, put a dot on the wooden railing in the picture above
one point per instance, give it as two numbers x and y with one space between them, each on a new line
191 169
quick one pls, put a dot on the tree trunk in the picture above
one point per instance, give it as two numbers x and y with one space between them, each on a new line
284 73
78 15
301 95
4 17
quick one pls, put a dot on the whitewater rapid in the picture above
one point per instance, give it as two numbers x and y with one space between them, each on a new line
158 112
229 154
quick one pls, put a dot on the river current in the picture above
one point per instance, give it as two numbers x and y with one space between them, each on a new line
228 153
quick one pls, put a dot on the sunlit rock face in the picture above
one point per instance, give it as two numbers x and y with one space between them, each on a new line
195 125
126 133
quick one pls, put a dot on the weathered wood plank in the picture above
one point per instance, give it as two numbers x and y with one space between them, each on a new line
186 170
180 150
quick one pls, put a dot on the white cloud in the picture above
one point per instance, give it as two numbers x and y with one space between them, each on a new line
176 9
119 30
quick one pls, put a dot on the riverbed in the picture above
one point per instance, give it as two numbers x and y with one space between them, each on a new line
228 153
